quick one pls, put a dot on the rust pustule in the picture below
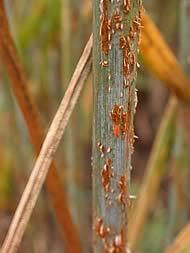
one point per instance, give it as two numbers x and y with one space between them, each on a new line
101 230
115 116
117 21
123 190
136 27
106 174
126 6
126 66
126 83
104 63
123 195
136 100
117 244
105 27
101 148
109 150
129 58
132 62
123 42
125 123
121 120
109 77
131 139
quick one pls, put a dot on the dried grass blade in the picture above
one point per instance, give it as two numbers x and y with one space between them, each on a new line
40 170
18 77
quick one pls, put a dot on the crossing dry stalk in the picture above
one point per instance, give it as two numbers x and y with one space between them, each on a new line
46 155
19 80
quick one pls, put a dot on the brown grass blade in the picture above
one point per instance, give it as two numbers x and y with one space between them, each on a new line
162 61
182 242
19 80
46 155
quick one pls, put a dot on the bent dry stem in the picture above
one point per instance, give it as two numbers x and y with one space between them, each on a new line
116 27
46 155
19 81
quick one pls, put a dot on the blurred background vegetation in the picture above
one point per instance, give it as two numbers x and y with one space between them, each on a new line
50 36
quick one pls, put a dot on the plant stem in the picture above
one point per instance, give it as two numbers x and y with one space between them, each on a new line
116 27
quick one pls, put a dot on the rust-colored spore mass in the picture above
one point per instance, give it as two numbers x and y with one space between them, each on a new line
124 45
119 244
101 229
132 62
123 190
126 6
116 115
121 120
106 174
116 131
125 123
123 42
129 58
101 148
131 139
135 27
105 27
117 21
123 195
104 63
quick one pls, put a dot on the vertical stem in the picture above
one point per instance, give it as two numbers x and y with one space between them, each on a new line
180 183
69 144
116 26
185 62
185 34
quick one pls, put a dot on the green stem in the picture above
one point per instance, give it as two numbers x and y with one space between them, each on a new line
116 27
